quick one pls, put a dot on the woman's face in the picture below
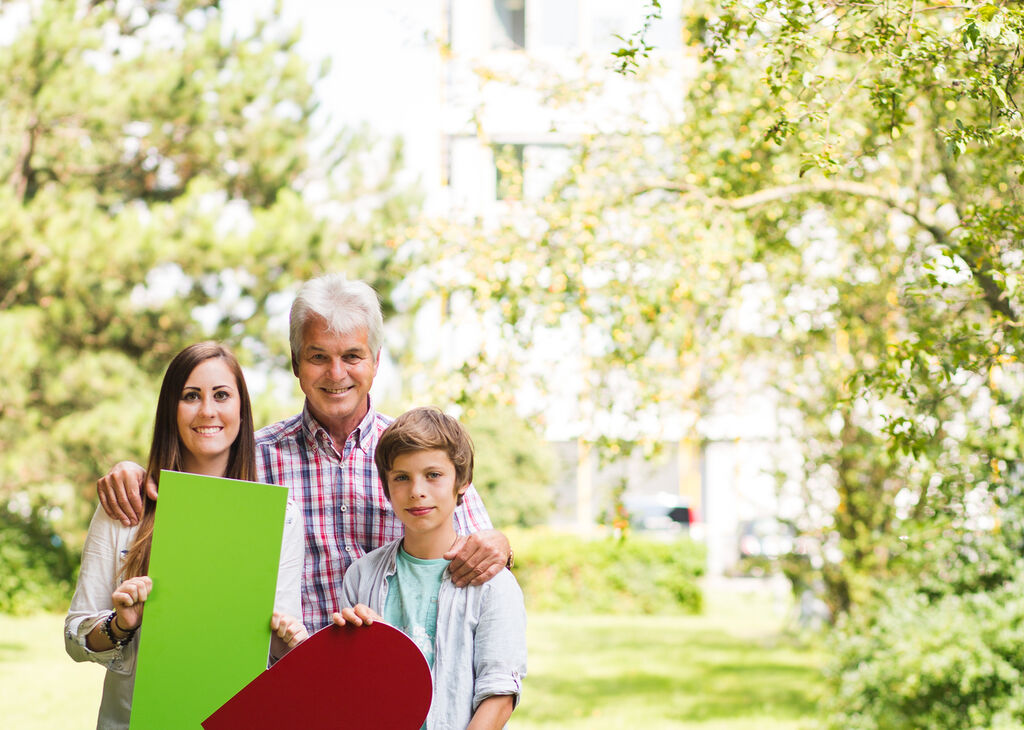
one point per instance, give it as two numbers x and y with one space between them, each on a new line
208 417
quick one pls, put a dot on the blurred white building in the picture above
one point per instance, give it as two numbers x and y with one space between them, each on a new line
466 84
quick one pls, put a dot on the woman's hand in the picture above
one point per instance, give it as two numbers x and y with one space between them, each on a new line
129 600
288 628
358 615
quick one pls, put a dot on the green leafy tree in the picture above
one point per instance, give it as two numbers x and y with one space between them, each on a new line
899 126
896 128
834 216
513 467
152 167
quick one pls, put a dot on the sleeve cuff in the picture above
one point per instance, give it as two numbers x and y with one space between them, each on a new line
503 683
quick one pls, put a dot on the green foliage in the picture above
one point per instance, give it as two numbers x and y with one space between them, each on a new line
877 165
36 566
952 662
940 643
570 574
628 57
152 169
513 467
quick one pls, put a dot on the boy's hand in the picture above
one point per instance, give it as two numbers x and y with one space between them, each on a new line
120 492
358 615
478 557
288 628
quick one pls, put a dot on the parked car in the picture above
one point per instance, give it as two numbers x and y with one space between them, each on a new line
662 513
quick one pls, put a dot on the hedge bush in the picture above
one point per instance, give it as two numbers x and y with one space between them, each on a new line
571 574
36 567
954 661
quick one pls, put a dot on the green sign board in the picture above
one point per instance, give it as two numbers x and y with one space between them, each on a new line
206 626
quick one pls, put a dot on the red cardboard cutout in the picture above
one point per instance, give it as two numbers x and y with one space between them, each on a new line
340 677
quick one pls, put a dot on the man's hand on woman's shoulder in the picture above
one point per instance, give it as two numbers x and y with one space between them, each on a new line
120 492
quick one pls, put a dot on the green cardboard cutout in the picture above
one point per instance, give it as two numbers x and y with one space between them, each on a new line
206 627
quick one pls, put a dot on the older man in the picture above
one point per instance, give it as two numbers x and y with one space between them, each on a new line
324 455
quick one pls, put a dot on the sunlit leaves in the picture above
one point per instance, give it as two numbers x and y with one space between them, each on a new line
151 175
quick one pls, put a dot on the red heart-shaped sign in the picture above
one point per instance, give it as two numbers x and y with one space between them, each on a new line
340 677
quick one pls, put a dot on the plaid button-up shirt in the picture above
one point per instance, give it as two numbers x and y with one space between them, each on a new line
344 511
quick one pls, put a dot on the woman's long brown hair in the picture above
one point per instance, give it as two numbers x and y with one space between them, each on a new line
166 451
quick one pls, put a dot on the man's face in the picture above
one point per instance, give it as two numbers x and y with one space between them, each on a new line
335 373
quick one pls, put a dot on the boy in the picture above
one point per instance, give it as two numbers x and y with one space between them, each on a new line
474 638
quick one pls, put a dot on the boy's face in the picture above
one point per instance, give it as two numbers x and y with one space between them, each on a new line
422 487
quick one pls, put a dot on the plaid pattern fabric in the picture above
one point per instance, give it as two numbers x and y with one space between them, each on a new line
344 511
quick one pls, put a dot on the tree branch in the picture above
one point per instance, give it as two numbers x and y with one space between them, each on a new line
991 291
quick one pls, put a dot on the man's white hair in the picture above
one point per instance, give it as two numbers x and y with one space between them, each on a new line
346 305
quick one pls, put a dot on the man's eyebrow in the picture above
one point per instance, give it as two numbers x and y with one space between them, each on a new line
358 349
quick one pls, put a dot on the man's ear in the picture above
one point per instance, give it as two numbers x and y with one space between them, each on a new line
295 365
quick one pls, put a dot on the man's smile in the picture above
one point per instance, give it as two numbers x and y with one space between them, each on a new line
337 391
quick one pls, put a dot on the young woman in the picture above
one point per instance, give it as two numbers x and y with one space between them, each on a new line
203 426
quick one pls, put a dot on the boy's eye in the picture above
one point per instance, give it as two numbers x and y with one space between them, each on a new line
398 477
434 475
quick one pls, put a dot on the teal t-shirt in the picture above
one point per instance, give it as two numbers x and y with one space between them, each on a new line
411 605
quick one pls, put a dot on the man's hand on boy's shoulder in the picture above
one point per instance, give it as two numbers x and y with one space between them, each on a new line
478 557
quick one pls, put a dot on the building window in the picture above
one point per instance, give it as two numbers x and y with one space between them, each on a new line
509 24
508 167
528 171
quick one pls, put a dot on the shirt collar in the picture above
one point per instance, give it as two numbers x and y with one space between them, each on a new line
364 436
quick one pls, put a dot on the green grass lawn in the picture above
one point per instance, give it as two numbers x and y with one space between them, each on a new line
728 669
40 686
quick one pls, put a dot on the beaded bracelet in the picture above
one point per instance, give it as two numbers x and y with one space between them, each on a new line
110 634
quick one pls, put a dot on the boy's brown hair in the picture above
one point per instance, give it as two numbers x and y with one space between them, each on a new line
426 429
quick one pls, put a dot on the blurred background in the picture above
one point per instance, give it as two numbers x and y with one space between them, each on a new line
726 293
